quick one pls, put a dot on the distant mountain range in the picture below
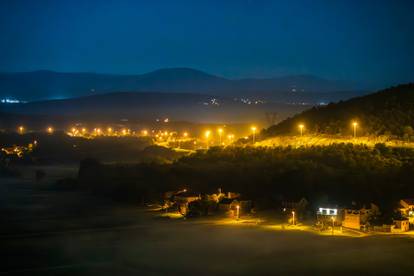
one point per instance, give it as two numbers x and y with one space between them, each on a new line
41 85
390 111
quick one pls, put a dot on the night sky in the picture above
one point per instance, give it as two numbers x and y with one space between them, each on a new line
369 41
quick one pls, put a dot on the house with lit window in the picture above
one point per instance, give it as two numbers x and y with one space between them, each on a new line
184 198
407 209
357 216
327 215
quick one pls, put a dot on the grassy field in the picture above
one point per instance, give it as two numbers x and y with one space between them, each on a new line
325 140
48 232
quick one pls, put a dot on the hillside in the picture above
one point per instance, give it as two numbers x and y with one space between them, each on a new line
390 111
149 106
41 85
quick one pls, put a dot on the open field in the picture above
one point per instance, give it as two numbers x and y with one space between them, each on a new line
46 232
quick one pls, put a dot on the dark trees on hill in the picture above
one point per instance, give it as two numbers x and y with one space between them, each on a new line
389 112
341 173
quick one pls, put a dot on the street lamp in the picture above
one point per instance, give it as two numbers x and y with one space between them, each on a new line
207 135
293 217
109 130
185 134
355 125
230 137
301 126
21 129
253 128
220 132
237 212
50 130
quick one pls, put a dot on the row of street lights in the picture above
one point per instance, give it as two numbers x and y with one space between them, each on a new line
207 133
230 137
354 126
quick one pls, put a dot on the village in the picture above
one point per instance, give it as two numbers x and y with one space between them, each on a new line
354 219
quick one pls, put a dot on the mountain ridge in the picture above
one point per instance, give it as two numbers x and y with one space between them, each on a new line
47 84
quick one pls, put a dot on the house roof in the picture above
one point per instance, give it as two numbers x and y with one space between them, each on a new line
226 200
187 194
409 201
359 205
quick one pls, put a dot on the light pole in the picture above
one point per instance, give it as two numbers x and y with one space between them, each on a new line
301 126
293 217
237 212
21 129
207 135
220 132
185 135
253 128
230 137
355 125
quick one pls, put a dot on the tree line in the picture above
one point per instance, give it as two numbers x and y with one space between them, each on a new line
339 173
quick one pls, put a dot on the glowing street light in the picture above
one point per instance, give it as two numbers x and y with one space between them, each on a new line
355 125
109 130
124 132
230 137
21 129
253 128
49 130
293 217
98 131
185 134
144 132
83 130
207 135
220 132
301 126
237 212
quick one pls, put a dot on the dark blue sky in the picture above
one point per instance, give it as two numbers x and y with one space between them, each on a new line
371 41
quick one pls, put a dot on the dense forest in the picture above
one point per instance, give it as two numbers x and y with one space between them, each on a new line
337 173
388 112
